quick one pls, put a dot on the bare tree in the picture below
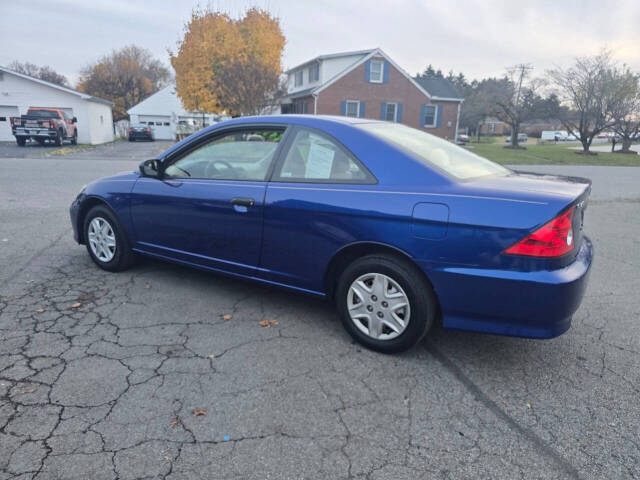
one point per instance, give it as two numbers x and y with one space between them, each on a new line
625 108
45 73
246 88
588 88
515 99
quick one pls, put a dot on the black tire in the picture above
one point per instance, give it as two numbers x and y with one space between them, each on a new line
123 256
59 137
74 139
131 139
40 141
21 141
422 300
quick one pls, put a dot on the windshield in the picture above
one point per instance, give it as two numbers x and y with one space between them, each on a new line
435 152
42 113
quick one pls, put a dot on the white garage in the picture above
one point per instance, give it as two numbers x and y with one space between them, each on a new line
6 112
164 113
18 92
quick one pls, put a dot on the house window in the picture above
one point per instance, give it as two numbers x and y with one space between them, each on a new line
375 71
391 115
429 116
492 127
3 119
353 108
300 107
101 120
166 124
298 78
314 73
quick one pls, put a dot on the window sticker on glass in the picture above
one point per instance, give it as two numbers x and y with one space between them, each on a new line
319 161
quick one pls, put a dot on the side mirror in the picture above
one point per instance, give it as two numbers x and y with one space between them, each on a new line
150 168
74 120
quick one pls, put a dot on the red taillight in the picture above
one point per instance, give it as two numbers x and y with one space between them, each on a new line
553 239
130 130
52 124
148 130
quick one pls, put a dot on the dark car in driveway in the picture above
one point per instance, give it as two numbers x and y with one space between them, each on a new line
396 226
140 131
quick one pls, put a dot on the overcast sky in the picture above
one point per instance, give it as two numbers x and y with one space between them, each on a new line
477 37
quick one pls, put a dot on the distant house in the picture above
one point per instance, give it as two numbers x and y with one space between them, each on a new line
163 111
369 84
535 127
18 92
493 126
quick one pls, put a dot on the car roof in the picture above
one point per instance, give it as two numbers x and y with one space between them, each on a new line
310 120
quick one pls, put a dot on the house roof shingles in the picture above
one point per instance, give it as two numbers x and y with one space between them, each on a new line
438 87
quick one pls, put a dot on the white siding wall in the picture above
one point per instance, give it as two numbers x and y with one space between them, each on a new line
100 123
329 68
23 93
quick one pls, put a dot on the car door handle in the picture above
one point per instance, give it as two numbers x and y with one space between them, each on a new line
243 201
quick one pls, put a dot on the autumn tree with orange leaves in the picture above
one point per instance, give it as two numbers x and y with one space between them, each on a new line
228 65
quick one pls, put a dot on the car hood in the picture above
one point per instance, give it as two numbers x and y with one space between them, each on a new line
524 183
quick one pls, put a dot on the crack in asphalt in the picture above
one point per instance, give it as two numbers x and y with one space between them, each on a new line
527 433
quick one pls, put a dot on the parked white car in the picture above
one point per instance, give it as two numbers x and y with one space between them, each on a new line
554 135
522 137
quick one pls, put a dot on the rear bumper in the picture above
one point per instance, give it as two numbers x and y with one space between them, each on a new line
34 133
535 304
140 135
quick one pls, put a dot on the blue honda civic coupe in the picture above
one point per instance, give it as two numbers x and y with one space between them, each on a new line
396 226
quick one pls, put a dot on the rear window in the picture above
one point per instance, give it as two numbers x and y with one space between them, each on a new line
42 114
435 152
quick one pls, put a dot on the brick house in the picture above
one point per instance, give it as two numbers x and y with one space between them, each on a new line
493 126
369 84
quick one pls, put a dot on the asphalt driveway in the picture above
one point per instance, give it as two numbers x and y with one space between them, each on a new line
166 372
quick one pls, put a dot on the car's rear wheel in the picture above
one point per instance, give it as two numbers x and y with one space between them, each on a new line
74 139
106 242
59 137
385 303
21 141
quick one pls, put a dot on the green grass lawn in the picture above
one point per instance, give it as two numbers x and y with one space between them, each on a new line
559 154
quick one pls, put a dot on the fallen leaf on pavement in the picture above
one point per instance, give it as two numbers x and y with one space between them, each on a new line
76 305
40 310
197 412
175 422
268 323
212 356
528 405
227 316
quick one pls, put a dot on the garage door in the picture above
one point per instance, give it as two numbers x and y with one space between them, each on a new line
161 126
5 125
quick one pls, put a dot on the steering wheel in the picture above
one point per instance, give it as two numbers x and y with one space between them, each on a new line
212 165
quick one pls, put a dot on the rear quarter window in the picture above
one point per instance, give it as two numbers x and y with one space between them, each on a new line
435 152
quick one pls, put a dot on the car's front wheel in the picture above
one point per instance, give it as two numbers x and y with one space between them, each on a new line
385 303
106 242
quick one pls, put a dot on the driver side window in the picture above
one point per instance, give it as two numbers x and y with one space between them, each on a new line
238 155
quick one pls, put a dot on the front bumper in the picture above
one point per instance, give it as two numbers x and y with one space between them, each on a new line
74 211
536 304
